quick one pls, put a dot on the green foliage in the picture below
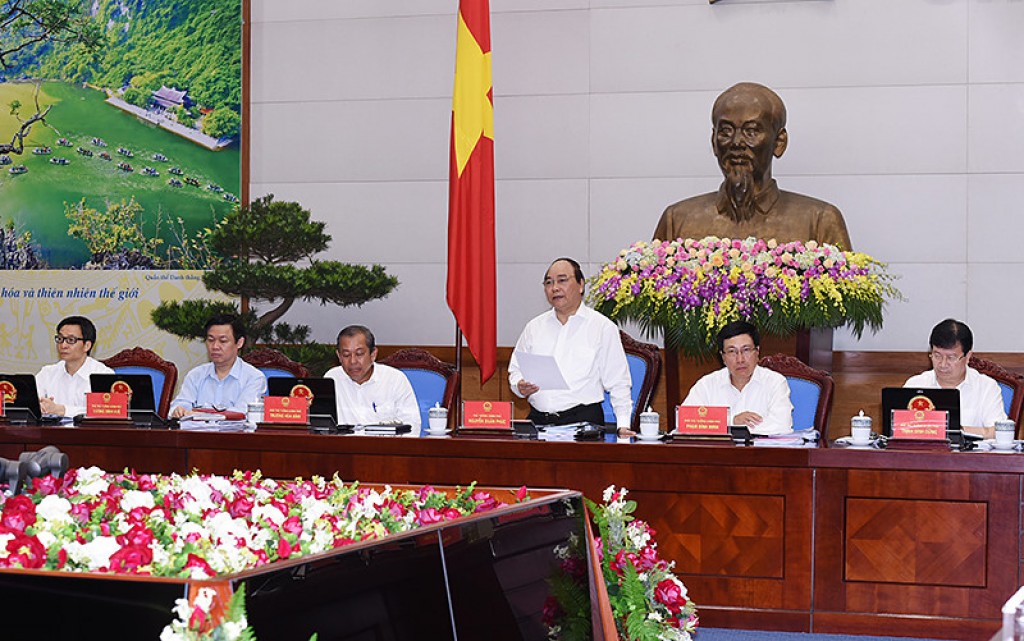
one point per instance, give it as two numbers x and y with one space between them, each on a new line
136 97
317 357
222 123
186 319
269 231
119 228
29 25
327 282
17 250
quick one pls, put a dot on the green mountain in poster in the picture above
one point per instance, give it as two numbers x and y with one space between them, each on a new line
153 116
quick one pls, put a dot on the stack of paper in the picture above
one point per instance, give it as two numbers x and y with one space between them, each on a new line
207 425
557 433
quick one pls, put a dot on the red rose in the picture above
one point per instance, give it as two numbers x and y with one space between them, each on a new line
452 513
130 558
292 525
25 551
46 485
194 561
552 611
284 548
669 594
522 493
19 513
138 535
81 512
485 502
428 516
240 507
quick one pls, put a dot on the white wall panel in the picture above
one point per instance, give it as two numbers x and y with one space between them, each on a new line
354 59
537 220
996 126
540 137
540 52
996 225
990 311
995 48
364 140
840 43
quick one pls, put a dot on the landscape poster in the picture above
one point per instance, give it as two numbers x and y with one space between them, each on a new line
140 148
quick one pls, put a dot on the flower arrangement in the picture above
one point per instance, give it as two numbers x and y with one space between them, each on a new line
649 603
201 526
688 289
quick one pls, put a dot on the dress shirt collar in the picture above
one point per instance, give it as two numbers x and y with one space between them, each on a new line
763 201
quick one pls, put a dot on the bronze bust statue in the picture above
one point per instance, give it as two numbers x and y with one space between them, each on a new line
749 129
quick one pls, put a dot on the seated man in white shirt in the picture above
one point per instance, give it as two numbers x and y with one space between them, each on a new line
587 348
62 386
226 382
981 402
757 398
369 392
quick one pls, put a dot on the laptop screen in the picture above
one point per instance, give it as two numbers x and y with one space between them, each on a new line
320 391
20 396
138 387
909 398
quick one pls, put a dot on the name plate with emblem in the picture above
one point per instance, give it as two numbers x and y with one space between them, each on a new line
292 410
106 405
701 421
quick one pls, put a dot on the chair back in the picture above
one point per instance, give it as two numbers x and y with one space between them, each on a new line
139 360
644 372
433 381
1011 385
810 391
274 364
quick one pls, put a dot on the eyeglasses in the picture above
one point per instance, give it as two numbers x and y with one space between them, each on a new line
70 340
947 359
732 352
561 281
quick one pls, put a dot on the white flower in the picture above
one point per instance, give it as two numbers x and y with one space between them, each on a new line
608 492
93 555
46 538
269 512
222 485
91 481
204 599
4 540
135 498
54 509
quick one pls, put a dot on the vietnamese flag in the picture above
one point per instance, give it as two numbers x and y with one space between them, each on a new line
471 281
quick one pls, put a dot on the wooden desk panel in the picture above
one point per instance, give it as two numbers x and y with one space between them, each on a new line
929 541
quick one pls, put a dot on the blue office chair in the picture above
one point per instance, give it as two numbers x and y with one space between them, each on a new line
1011 385
810 391
273 363
139 360
433 381
644 373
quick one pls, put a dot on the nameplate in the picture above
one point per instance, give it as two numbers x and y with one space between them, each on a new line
702 420
285 409
921 425
106 405
492 415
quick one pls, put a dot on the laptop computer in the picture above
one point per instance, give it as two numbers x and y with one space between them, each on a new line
323 407
21 398
903 398
139 387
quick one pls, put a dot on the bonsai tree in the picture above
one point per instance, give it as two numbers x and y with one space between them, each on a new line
258 246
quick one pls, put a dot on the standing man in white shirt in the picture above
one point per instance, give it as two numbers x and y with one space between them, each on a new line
981 402
226 382
587 348
369 392
757 398
62 386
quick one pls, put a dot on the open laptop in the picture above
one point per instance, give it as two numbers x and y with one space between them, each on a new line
21 398
323 408
902 398
139 387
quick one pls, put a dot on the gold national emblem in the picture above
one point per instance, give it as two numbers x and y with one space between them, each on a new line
487 406
702 411
9 391
302 391
918 415
122 387
286 401
921 403
106 397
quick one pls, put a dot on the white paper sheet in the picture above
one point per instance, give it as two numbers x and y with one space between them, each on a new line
542 371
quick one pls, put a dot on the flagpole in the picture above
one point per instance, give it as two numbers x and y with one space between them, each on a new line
458 366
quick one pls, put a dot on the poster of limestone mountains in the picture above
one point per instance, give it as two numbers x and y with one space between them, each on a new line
139 146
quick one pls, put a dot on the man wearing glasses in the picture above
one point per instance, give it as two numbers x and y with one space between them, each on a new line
981 402
757 398
587 348
62 386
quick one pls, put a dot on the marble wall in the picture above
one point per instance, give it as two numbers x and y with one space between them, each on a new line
908 115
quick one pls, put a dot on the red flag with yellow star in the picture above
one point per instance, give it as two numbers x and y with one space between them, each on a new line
471 281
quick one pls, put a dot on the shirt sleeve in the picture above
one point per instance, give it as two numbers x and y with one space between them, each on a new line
408 406
615 376
189 391
253 388
779 418
992 408
514 375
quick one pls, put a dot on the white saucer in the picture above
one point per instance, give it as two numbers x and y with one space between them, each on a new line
438 433
1003 446
863 443
649 438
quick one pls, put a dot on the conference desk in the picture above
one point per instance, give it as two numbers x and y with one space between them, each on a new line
827 540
